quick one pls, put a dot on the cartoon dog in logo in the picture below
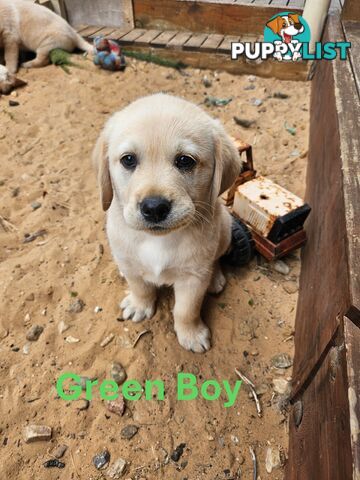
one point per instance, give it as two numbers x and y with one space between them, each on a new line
287 27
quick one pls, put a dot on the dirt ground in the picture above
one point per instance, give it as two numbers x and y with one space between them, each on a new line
47 183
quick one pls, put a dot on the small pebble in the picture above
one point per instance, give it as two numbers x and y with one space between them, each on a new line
281 386
35 433
60 451
97 309
118 373
257 102
62 327
273 459
71 339
81 404
177 453
116 406
35 205
117 469
13 103
129 431
101 460
252 78
54 463
250 87
30 297
27 318
290 287
26 349
282 360
206 82
243 122
76 306
107 340
281 267
281 95
34 333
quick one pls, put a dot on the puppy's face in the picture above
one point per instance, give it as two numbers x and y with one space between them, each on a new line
164 161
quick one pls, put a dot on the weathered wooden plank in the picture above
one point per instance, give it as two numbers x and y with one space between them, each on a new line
225 45
147 37
163 39
209 17
324 258
130 37
352 343
298 4
351 10
279 3
352 34
90 30
118 33
79 28
179 40
200 59
105 32
195 41
211 43
319 446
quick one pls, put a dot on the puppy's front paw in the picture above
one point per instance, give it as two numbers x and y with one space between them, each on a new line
136 309
195 338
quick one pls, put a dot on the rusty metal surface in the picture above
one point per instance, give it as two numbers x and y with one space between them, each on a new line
261 201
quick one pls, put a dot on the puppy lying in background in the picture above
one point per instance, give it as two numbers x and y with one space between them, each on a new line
162 162
26 25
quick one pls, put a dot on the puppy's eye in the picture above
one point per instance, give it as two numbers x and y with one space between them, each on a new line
185 162
129 161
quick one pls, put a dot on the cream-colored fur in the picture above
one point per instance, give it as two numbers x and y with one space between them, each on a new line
25 25
184 254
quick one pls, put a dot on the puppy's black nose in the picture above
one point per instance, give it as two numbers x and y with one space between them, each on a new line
155 209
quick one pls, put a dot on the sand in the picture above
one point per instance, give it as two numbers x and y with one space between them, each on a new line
47 183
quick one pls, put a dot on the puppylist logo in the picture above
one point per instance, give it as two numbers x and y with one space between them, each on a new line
287 38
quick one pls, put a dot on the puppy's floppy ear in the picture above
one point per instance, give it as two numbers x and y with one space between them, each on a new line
101 162
275 24
295 17
227 164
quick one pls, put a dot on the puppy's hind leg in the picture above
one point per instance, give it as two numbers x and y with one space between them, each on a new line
11 55
140 303
218 280
41 59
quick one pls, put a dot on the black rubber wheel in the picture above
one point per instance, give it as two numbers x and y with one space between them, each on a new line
242 247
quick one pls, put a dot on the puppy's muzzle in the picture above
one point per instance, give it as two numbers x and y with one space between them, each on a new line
155 209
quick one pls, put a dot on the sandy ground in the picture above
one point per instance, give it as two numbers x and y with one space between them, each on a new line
45 146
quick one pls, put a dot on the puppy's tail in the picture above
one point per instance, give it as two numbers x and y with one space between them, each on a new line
83 45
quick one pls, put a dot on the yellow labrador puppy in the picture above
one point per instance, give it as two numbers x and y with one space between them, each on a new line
162 163
33 27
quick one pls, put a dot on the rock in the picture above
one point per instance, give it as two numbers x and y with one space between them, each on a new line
71 339
129 431
281 267
76 306
100 460
177 453
107 340
273 459
81 404
290 287
34 333
37 433
117 469
13 103
285 142
118 373
206 82
60 451
250 87
252 78
35 205
281 95
97 309
54 463
282 360
257 102
62 327
243 122
234 439
116 406
281 386
27 318
26 349
30 297
83 381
